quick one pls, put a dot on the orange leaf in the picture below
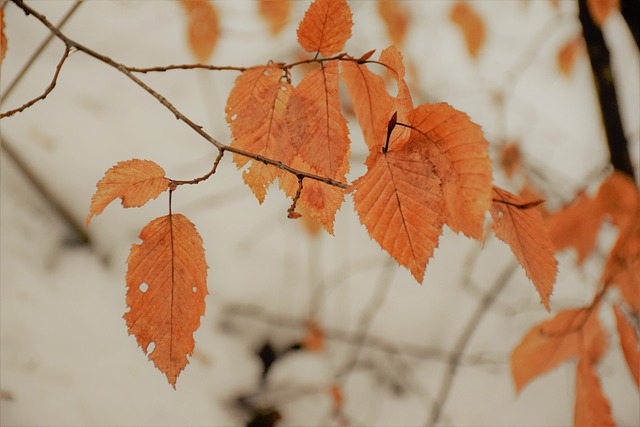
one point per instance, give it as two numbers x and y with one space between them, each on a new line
510 159
314 338
524 231
471 24
568 53
464 166
620 199
3 39
203 27
601 9
336 397
256 110
400 202
135 182
591 407
326 27
623 265
317 128
276 13
629 343
371 101
392 58
166 288
552 342
396 19
317 200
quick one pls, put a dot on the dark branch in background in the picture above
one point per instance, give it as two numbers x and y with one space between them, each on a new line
178 115
630 10
603 76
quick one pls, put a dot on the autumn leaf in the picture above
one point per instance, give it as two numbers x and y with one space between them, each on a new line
554 341
399 200
317 200
464 166
601 9
325 27
510 159
203 27
317 128
166 288
371 101
591 406
471 24
524 231
256 111
337 398
135 182
568 53
314 338
392 59
276 13
3 38
396 19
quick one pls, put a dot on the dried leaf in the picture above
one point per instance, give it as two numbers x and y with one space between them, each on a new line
601 9
203 27
629 343
276 13
464 166
400 202
524 231
471 24
371 101
396 19
326 27
135 182
568 53
402 103
554 341
256 111
314 338
166 288
3 38
317 128
591 407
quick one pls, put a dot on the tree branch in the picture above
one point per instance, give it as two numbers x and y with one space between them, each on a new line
603 77
179 115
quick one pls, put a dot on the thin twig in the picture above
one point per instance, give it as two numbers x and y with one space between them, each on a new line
47 91
204 177
463 340
178 114
186 67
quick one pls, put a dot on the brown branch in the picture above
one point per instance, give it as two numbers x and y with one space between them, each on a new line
177 182
291 212
47 91
186 67
179 115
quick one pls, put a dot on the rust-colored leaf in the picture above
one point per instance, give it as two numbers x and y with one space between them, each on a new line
399 200
601 9
371 101
314 338
568 53
510 159
471 24
326 27
396 19
276 13
623 265
620 199
402 102
554 341
166 288
135 182
524 231
592 406
203 27
464 166
318 200
317 128
3 38
629 343
256 111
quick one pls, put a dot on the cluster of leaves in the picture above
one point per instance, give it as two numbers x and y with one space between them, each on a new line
427 166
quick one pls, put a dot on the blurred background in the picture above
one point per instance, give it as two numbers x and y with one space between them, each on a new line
301 327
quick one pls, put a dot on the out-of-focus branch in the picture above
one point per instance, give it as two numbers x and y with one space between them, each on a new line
630 10
603 77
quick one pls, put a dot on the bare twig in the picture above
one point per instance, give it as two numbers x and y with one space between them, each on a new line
204 177
186 67
178 114
47 91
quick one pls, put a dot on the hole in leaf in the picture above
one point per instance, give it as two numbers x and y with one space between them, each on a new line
194 289
235 116
151 347
143 287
